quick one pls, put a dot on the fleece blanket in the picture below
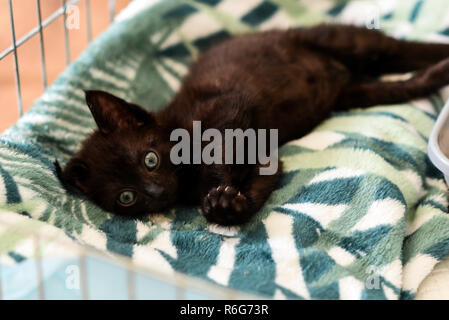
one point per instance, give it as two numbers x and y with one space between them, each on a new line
361 213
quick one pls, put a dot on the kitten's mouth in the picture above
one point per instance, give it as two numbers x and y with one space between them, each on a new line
159 204
156 192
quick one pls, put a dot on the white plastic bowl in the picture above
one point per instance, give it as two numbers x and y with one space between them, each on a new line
438 147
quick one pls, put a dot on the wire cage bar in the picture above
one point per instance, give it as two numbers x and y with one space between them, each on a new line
88 21
111 11
16 63
66 33
41 39
1 286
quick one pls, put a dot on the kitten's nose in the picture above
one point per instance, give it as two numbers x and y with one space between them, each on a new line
154 190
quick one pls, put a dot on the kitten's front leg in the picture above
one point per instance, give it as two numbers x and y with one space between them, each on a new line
229 204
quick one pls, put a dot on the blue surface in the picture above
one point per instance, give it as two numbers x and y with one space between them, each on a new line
62 280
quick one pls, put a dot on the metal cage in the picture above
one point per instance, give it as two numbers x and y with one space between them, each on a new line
38 31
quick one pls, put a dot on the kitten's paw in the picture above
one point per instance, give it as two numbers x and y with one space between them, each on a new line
225 205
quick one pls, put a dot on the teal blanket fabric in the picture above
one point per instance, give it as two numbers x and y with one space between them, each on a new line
361 213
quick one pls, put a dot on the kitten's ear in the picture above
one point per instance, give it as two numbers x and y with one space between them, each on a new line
74 174
111 112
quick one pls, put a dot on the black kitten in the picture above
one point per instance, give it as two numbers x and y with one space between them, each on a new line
287 80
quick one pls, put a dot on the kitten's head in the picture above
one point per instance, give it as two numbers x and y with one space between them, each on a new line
124 166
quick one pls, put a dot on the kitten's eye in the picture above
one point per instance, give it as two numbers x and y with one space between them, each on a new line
151 160
127 198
